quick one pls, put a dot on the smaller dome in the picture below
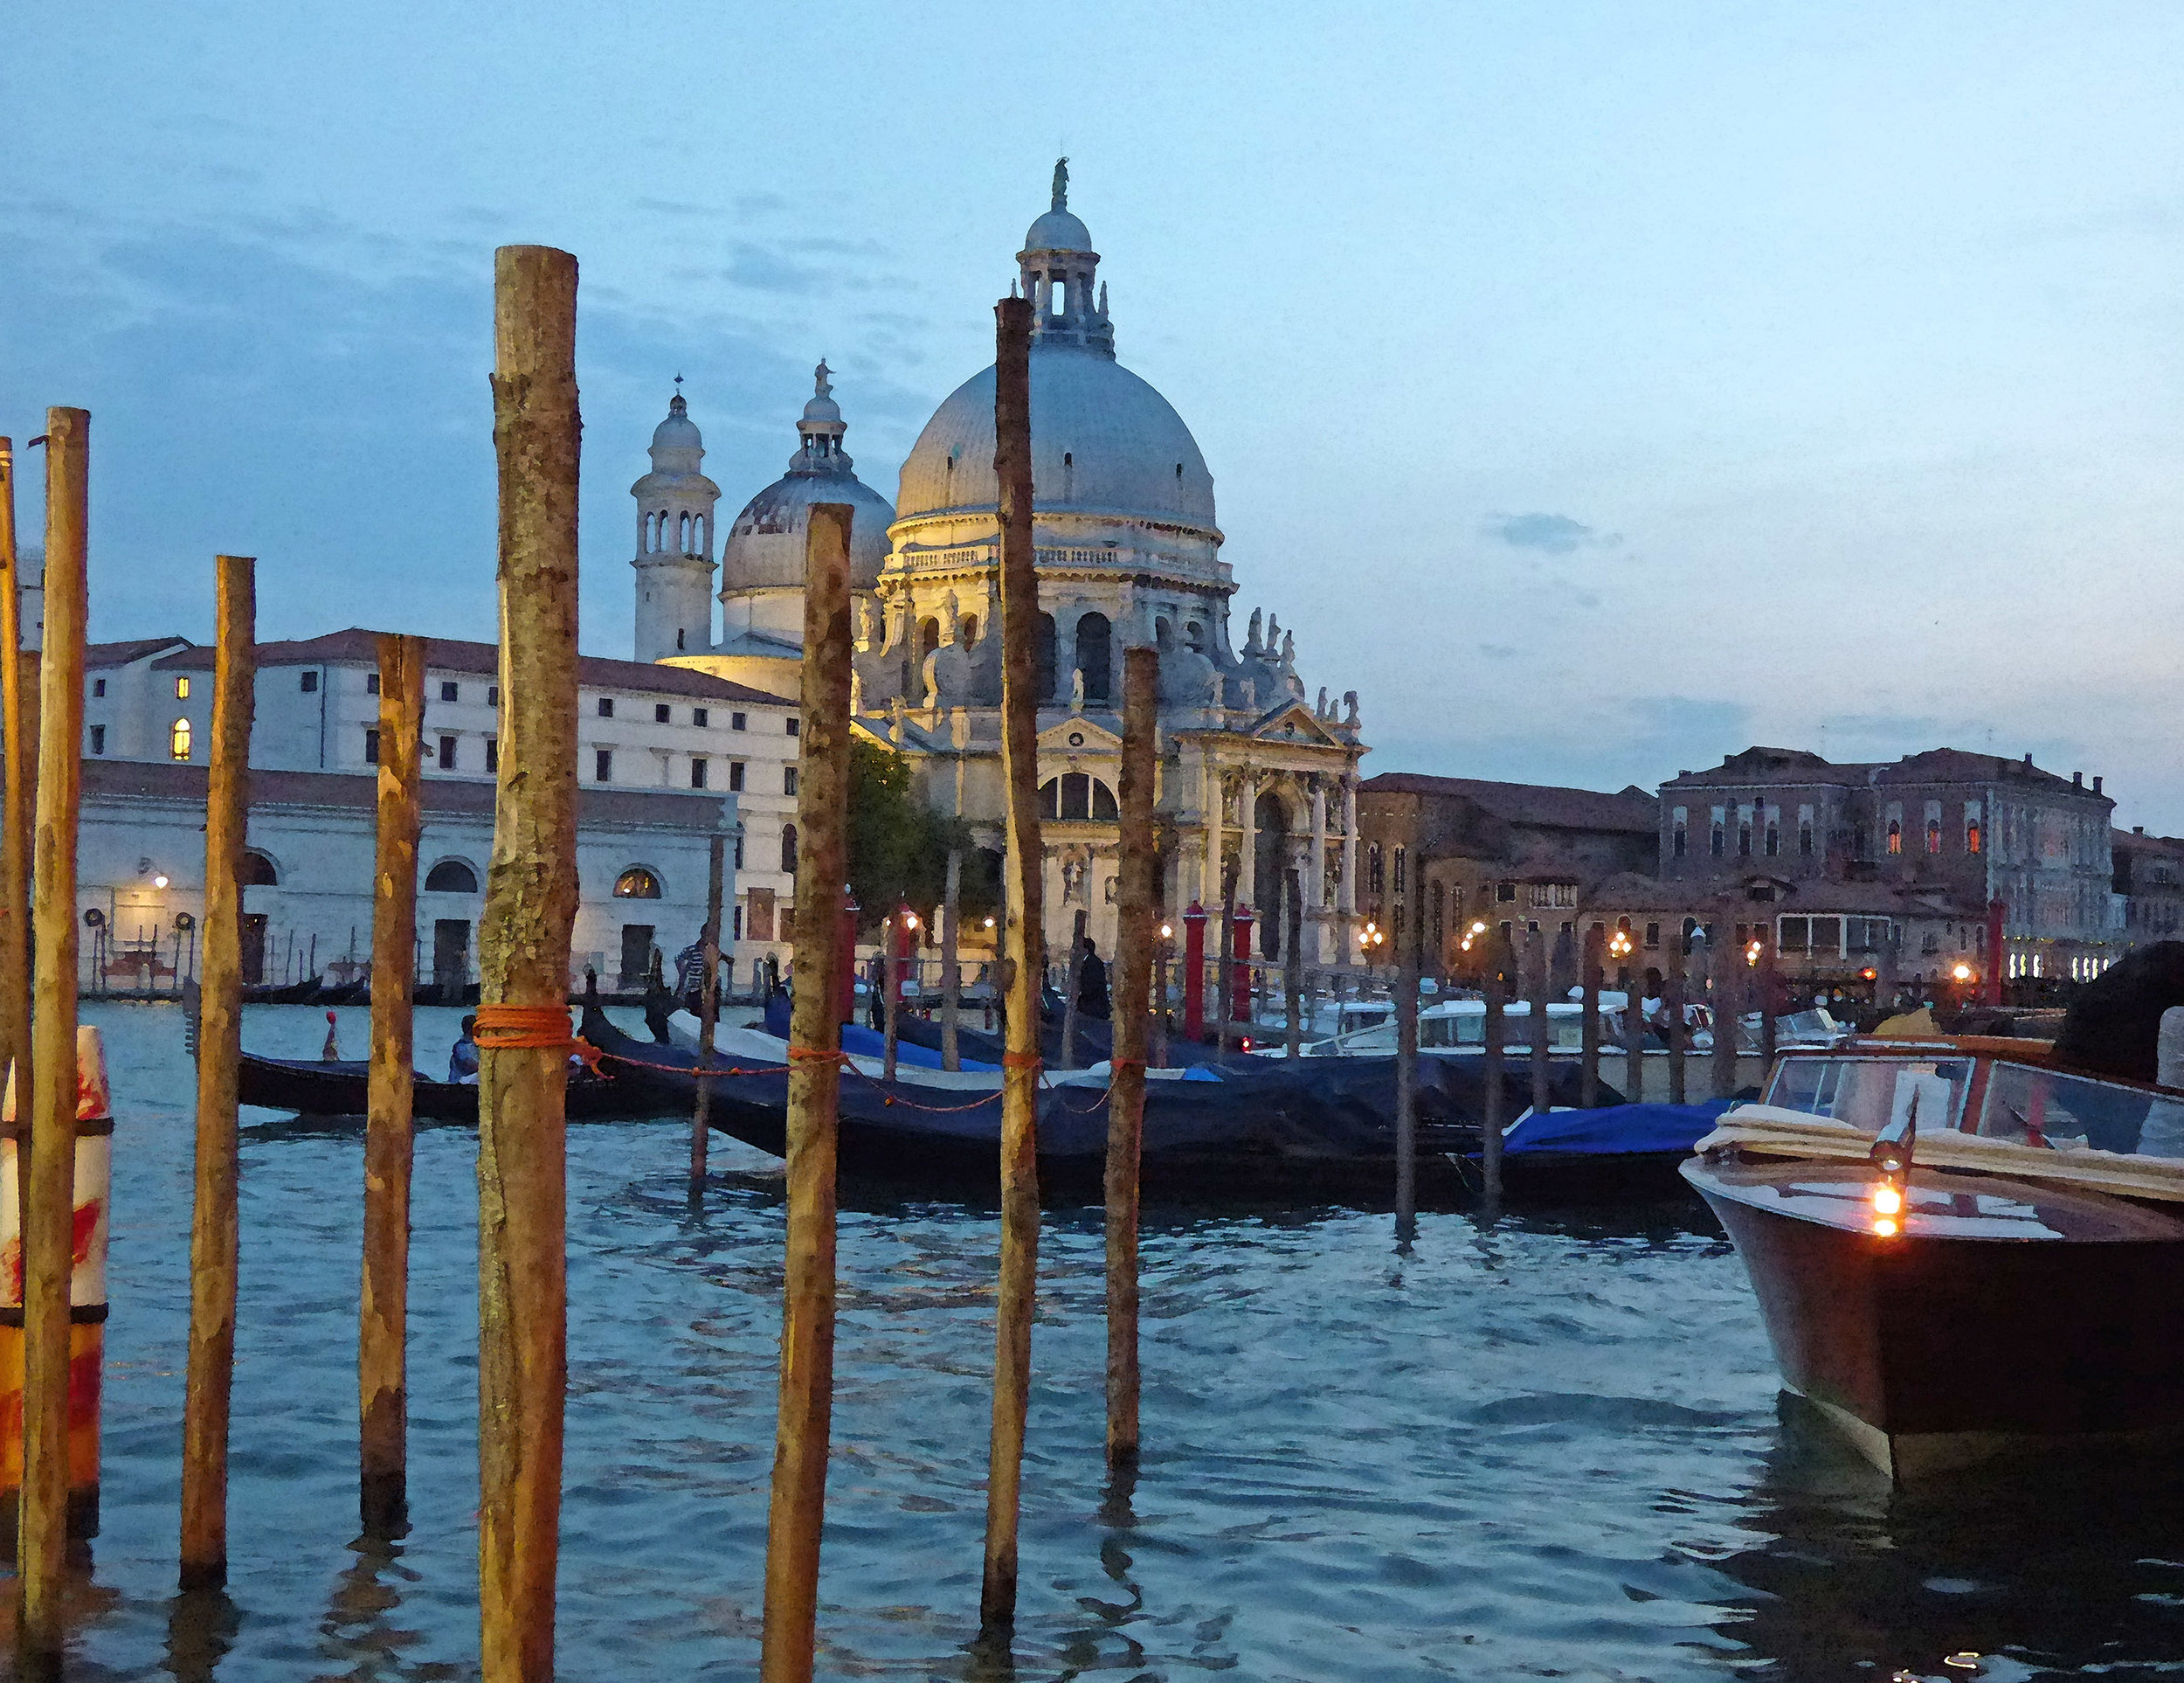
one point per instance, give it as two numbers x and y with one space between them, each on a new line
678 431
1058 230
765 546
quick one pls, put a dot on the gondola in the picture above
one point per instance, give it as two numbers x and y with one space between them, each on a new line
307 992
1963 1250
319 1087
1252 1129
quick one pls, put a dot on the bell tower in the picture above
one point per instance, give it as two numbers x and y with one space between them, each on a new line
675 541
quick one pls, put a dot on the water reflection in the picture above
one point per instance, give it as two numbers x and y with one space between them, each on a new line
2062 1567
202 1625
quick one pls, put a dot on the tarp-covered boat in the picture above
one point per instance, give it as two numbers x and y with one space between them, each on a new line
322 1087
1611 1153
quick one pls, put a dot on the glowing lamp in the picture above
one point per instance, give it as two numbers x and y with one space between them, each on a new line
1887 1200
909 920
1884 1228
159 881
1962 972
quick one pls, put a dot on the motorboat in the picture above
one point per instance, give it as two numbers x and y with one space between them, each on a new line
1962 1250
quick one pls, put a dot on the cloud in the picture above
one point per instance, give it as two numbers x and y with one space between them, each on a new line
1497 651
1551 534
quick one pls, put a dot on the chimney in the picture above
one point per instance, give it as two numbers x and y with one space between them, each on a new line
2028 762
2136 829
2096 783
2078 781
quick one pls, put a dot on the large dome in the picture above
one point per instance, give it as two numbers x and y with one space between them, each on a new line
1103 443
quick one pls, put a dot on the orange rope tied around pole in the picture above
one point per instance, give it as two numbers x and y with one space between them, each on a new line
1022 1061
523 1027
818 1055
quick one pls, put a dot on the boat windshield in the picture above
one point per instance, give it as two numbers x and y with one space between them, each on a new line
2048 1106
1869 1091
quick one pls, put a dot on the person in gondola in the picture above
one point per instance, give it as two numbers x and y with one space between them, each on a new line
876 995
1092 999
690 973
462 1062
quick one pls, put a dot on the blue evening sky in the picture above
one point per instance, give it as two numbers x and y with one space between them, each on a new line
1597 389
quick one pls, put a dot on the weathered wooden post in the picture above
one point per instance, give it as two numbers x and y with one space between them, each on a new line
383 1407
1672 1002
708 1006
1494 1099
1770 989
1541 1040
1407 923
893 938
796 1517
1589 1031
1073 978
1635 1034
212 1229
1293 962
951 966
1729 964
1026 912
523 1038
17 817
1126 1099
48 1205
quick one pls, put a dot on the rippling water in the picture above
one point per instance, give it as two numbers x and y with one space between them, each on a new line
1546 1448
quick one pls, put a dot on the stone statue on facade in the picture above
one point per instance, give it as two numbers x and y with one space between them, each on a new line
949 620
821 380
866 627
1349 706
1061 183
1076 691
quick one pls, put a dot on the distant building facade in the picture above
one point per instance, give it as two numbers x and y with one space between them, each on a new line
2148 886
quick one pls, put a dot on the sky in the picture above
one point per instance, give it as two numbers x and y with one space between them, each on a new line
1597 389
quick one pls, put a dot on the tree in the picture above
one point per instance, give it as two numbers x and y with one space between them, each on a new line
898 846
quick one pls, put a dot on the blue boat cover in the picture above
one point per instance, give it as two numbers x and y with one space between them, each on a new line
859 1042
1615 1129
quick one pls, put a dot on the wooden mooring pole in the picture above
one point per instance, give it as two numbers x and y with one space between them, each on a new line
382 1387
1635 1034
708 1005
1770 988
1729 964
213 1244
17 816
1589 1030
1407 923
1539 992
1494 1106
49 1204
1672 1002
1126 1099
796 1516
951 962
523 1038
1026 911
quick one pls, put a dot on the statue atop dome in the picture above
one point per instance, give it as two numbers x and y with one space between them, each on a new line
1061 185
821 380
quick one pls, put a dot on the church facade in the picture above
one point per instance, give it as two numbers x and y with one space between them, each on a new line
1258 783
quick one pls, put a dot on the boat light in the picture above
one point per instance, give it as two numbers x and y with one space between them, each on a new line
1884 1228
1887 1200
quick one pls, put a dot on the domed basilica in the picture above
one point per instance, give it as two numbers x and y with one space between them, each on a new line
1255 777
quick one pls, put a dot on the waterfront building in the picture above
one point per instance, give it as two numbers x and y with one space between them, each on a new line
2148 886
1955 828
1519 856
662 755
1258 783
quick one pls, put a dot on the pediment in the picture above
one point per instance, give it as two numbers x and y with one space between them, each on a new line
1295 723
1078 735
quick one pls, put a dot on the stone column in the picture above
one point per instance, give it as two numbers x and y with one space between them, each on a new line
1315 877
1248 849
1346 907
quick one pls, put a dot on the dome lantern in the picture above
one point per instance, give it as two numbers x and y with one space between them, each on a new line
1056 269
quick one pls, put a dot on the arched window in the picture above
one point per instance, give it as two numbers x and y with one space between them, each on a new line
1043 659
1376 872
635 884
178 739
1934 835
967 631
1895 836
1095 656
1441 900
788 849
257 871
1077 795
682 533
453 877
1194 636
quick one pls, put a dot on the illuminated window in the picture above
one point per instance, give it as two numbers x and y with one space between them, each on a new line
1895 836
181 690
178 740
637 884
1934 835
1972 836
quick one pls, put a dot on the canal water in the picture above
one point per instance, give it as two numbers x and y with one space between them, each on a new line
1549 1447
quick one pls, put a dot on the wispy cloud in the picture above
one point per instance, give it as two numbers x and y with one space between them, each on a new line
1497 651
